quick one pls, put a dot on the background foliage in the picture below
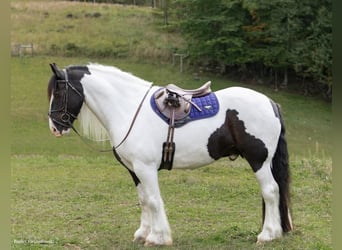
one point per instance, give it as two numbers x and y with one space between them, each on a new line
285 43
275 38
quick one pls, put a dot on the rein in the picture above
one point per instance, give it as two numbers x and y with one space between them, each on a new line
86 142
128 132
134 117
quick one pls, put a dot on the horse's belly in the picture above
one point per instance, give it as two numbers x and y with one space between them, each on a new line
191 143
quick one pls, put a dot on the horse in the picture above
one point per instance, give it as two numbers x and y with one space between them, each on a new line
111 103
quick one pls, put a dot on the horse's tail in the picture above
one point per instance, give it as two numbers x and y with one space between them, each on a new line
281 174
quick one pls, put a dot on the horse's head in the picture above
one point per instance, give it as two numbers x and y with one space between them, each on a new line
65 93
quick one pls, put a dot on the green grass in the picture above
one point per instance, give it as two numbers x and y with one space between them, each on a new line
68 196
91 202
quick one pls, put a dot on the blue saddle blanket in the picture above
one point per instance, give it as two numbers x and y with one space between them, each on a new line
208 104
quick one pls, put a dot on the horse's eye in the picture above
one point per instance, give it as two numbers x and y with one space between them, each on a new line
60 85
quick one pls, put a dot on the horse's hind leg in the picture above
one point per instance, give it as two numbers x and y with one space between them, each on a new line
269 160
272 228
274 179
154 228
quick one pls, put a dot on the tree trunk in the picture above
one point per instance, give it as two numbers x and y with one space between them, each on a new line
166 13
285 82
276 80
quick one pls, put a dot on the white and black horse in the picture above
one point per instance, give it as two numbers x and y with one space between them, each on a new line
245 123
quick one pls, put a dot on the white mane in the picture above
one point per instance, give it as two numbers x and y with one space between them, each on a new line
113 71
90 126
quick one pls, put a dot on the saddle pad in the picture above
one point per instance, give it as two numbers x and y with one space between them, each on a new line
208 104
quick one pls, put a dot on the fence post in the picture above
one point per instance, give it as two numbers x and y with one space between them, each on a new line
24 47
181 58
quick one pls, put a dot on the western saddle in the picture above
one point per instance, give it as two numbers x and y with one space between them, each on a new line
175 104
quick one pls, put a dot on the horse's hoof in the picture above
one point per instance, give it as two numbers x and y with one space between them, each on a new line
149 244
267 236
260 242
139 240
153 244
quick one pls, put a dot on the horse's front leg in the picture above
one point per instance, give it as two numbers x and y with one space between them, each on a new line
154 228
145 224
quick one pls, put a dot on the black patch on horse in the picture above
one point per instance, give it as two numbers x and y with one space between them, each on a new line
134 176
75 74
68 95
77 71
231 139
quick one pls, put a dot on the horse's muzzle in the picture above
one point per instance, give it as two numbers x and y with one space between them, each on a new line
55 131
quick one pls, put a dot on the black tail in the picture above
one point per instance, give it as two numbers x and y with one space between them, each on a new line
281 174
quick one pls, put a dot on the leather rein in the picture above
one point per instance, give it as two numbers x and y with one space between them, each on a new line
134 117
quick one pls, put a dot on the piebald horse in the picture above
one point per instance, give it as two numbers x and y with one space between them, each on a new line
110 102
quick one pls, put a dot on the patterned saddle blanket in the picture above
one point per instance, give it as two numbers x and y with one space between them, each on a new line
195 108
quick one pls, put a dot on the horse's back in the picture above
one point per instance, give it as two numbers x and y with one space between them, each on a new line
240 96
249 103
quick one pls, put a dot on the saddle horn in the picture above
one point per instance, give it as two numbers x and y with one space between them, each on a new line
56 70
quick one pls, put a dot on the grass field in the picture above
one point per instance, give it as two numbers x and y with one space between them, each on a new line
64 28
64 195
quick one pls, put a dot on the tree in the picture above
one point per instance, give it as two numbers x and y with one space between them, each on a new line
274 36
213 30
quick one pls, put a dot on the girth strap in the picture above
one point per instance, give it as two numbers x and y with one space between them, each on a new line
169 147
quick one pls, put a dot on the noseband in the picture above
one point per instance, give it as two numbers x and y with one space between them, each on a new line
66 115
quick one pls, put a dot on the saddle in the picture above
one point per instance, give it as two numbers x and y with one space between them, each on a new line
175 101
175 104
201 91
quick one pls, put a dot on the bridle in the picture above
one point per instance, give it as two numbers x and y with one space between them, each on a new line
66 114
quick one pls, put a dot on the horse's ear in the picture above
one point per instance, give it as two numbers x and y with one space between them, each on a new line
56 70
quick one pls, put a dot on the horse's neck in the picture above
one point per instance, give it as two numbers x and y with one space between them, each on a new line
114 99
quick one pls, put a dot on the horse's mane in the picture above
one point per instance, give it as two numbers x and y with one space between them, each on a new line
127 76
90 126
